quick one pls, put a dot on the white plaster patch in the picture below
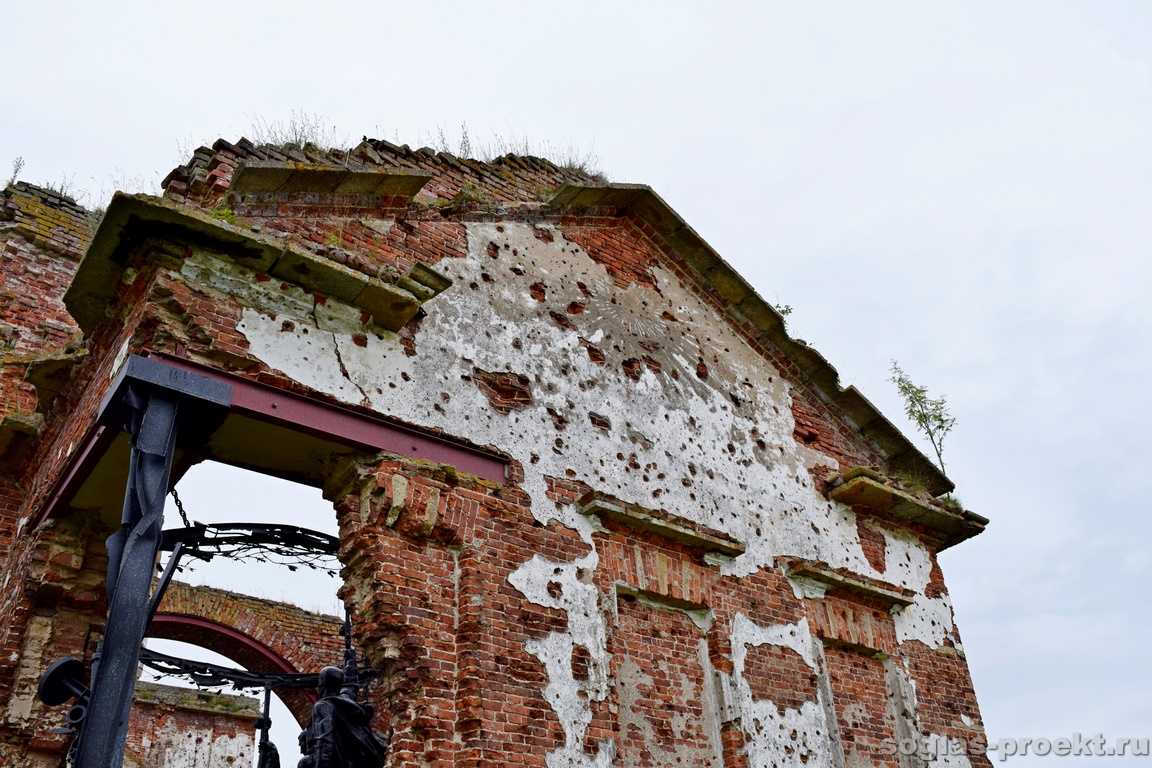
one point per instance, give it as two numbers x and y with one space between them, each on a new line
927 619
197 748
118 362
906 562
561 586
794 738
942 752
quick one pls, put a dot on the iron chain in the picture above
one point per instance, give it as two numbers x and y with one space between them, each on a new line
180 508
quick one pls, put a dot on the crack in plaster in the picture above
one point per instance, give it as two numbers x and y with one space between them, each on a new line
717 450
344 369
336 349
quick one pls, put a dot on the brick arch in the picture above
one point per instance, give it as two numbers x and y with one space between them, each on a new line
260 635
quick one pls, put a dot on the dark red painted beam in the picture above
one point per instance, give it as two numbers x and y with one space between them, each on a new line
324 420
341 425
91 449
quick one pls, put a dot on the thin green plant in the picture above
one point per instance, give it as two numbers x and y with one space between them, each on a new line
930 415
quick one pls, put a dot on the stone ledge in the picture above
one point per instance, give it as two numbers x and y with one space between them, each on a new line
672 527
866 488
176 697
700 615
132 219
815 578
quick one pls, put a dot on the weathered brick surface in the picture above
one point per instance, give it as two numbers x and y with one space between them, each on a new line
55 612
861 702
48 220
303 640
952 700
191 729
507 628
27 574
663 716
42 235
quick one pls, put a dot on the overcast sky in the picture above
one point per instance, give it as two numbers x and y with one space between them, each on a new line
965 187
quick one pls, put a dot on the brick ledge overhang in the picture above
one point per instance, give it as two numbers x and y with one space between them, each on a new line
132 219
745 305
660 522
859 488
843 579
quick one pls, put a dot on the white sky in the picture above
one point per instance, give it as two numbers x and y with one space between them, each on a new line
965 187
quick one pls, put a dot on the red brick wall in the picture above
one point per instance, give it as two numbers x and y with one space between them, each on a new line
478 668
860 695
188 728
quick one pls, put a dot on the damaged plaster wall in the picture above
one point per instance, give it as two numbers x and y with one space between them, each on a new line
568 587
717 449
180 746
644 393
774 736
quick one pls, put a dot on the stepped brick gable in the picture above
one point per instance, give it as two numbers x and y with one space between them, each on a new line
596 507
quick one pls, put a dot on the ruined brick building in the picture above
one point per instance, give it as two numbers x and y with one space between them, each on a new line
596 507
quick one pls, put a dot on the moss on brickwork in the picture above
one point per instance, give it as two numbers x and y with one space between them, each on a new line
202 701
47 218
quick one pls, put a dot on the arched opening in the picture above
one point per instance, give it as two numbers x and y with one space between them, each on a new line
252 614
235 646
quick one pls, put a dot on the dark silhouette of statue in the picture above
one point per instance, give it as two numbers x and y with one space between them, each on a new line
269 755
339 731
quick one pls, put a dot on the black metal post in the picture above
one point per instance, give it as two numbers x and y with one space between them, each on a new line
157 404
269 756
165 579
138 542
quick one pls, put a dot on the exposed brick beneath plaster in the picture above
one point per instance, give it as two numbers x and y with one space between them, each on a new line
428 553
